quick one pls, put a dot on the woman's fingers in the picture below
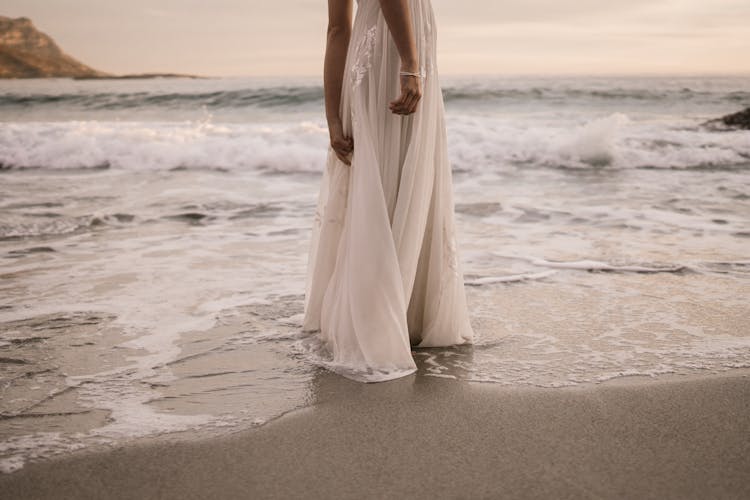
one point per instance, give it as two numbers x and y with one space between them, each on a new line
343 147
343 158
410 104
411 93
398 106
343 144
414 98
404 106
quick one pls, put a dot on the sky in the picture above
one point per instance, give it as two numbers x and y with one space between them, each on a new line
287 38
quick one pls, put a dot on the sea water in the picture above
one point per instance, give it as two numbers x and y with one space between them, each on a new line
154 237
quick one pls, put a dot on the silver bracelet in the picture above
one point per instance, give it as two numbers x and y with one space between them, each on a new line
408 73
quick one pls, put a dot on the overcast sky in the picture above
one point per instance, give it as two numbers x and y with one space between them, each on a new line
287 37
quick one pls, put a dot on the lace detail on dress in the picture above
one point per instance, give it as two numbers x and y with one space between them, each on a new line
318 218
449 237
363 56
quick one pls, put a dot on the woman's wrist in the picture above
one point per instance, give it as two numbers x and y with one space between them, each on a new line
335 127
410 65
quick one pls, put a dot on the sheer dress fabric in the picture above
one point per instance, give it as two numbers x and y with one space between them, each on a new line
384 273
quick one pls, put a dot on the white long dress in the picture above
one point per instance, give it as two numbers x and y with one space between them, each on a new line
383 269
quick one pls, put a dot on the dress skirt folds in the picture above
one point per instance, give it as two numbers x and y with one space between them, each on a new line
383 269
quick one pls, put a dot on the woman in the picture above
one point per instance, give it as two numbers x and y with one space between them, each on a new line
383 270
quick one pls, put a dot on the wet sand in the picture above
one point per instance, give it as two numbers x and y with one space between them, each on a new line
426 437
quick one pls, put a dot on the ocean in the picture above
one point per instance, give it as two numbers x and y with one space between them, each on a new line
154 237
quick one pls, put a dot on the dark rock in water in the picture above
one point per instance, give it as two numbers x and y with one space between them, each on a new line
740 119
26 52
737 120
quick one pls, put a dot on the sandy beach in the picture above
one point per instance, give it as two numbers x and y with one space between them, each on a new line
426 437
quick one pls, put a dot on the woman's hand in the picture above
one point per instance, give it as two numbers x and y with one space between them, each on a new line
397 14
343 146
411 93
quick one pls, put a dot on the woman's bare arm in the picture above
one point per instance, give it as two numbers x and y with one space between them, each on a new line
337 42
398 17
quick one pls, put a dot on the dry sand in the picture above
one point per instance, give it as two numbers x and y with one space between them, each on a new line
425 437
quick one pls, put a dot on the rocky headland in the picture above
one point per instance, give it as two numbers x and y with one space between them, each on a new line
26 52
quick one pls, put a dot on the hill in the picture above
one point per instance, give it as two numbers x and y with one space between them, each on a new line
26 52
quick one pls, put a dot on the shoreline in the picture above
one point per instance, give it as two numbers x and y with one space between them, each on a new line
671 436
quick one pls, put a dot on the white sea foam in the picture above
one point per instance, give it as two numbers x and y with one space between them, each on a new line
486 280
474 143
156 146
613 141
594 142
